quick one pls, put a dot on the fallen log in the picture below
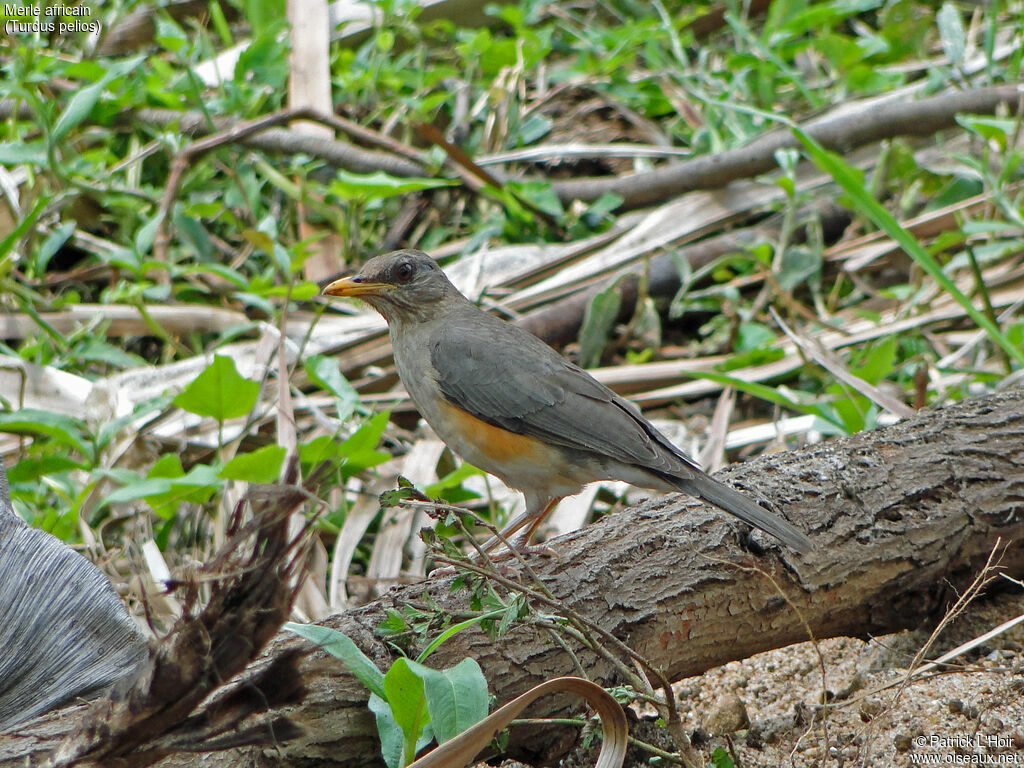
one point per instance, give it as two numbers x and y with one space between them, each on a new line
901 517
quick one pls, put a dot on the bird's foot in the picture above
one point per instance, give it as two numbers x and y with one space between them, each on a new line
523 549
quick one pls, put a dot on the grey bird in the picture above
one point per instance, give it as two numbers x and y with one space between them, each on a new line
509 404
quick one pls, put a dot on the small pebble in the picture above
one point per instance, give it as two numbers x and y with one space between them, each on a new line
902 742
869 709
727 716
755 736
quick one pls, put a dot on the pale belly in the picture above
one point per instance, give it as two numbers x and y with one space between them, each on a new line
520 462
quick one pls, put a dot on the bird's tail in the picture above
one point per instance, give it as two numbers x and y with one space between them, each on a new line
735 503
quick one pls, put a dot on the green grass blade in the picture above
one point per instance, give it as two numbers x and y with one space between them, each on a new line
846 177
454 630
769 394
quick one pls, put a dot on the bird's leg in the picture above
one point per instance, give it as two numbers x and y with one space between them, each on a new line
531 516
509 530
548 509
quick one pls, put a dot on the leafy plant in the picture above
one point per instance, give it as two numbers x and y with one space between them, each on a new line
412 703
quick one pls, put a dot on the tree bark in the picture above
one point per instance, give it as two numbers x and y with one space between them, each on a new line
899 516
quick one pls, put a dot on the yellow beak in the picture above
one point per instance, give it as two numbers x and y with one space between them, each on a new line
353 286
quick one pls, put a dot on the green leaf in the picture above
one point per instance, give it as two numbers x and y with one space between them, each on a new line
168 465
260 466
1015 333
78 109
340 646
194 232
258 239
325 373
600 210
169 35
408 702
535 127
390 499
201 476
82 103
204 210
454 630
219 392
721 759
456 697
262 13
379 185
752 337
453 479
539 194
799 265
749 359
598 321
318 450
22 153
853 410
51 245
166 486
989 127
769 394
879 362
140 489
389 732
220 23
302 291
510 615
952 33
64 429
360 450
24 226
32 469
96 350
394 624
221 270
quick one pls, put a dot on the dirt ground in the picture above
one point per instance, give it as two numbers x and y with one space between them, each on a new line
768 710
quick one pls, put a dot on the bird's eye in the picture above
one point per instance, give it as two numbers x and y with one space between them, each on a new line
405 272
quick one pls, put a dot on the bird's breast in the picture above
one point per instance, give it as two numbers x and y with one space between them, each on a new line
520 461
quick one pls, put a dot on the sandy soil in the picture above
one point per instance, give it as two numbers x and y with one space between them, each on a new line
768 710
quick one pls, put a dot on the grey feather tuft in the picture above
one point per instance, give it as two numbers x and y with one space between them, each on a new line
63 630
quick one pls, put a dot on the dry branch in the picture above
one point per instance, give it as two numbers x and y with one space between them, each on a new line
282 141
558 323
900 517
842 133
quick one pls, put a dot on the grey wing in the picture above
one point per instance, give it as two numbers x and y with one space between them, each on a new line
509 378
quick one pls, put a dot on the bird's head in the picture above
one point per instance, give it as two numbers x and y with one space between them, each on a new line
404 286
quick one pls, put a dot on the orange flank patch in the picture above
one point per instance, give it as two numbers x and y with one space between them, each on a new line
499 445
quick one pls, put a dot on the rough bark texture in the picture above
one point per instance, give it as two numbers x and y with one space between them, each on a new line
899 516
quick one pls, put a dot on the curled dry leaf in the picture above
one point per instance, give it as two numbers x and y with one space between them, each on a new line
463 748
